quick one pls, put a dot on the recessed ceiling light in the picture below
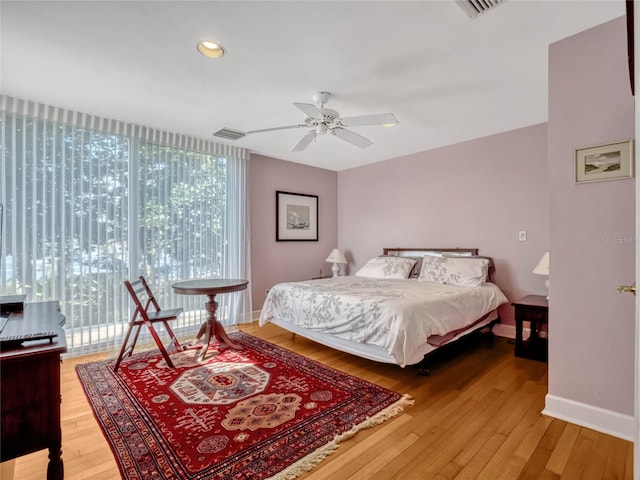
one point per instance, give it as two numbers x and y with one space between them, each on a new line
210 49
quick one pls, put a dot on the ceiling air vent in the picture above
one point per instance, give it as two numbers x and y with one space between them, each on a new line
473 8
229 134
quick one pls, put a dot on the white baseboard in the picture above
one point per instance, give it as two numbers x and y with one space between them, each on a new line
595 418
255 315
508 331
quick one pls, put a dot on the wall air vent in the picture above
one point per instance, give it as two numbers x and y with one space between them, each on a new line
229 134
473 8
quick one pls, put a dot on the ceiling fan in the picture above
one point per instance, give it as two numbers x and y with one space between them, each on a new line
321 121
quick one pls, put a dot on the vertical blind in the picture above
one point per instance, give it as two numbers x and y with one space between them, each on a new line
90 202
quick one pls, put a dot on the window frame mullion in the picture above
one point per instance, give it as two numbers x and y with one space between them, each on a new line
134 208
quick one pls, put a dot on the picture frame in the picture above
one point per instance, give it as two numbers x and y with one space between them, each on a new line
296 217
613 161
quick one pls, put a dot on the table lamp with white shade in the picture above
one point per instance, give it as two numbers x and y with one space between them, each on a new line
336 257
542 268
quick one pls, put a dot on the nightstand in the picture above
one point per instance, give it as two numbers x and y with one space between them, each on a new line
533 309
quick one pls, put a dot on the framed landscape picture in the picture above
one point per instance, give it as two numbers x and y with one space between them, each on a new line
604 162
296 217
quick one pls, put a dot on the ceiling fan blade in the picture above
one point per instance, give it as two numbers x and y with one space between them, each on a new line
309 110
352 137
304 141
276 128
385 119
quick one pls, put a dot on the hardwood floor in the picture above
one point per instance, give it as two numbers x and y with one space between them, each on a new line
476 417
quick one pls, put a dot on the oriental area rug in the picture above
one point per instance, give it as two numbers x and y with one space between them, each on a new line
260 412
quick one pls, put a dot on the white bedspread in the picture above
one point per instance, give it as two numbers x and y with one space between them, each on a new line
397 315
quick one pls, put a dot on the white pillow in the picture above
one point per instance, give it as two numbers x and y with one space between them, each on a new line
463 271
387 267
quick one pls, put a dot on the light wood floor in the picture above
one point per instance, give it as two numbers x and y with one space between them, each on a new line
476 417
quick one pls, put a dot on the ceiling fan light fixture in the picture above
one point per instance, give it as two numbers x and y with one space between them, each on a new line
320 121
210 49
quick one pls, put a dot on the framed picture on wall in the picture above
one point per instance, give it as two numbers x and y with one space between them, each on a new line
613 161
296 217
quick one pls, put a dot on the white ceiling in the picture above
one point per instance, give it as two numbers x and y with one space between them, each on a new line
446 77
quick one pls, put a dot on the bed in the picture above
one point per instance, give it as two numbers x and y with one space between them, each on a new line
398 308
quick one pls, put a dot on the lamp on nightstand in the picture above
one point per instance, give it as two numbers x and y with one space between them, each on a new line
543 269
336 257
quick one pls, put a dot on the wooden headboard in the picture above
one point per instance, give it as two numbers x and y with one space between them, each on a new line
438 252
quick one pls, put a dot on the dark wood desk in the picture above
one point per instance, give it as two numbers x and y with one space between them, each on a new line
30 389
210 287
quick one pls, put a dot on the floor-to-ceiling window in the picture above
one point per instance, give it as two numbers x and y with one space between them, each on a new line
90 202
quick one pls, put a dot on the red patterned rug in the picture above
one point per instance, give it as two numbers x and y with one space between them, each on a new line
256 413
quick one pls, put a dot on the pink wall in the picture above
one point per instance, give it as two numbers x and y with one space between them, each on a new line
592 241
480 194
271 261
476 194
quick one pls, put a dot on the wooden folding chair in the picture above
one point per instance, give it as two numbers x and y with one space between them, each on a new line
143 298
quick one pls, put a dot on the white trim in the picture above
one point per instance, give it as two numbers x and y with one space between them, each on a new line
595 418
255 315
636 81
507 331
605 421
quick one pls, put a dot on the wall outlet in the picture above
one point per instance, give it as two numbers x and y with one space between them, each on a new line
522 235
